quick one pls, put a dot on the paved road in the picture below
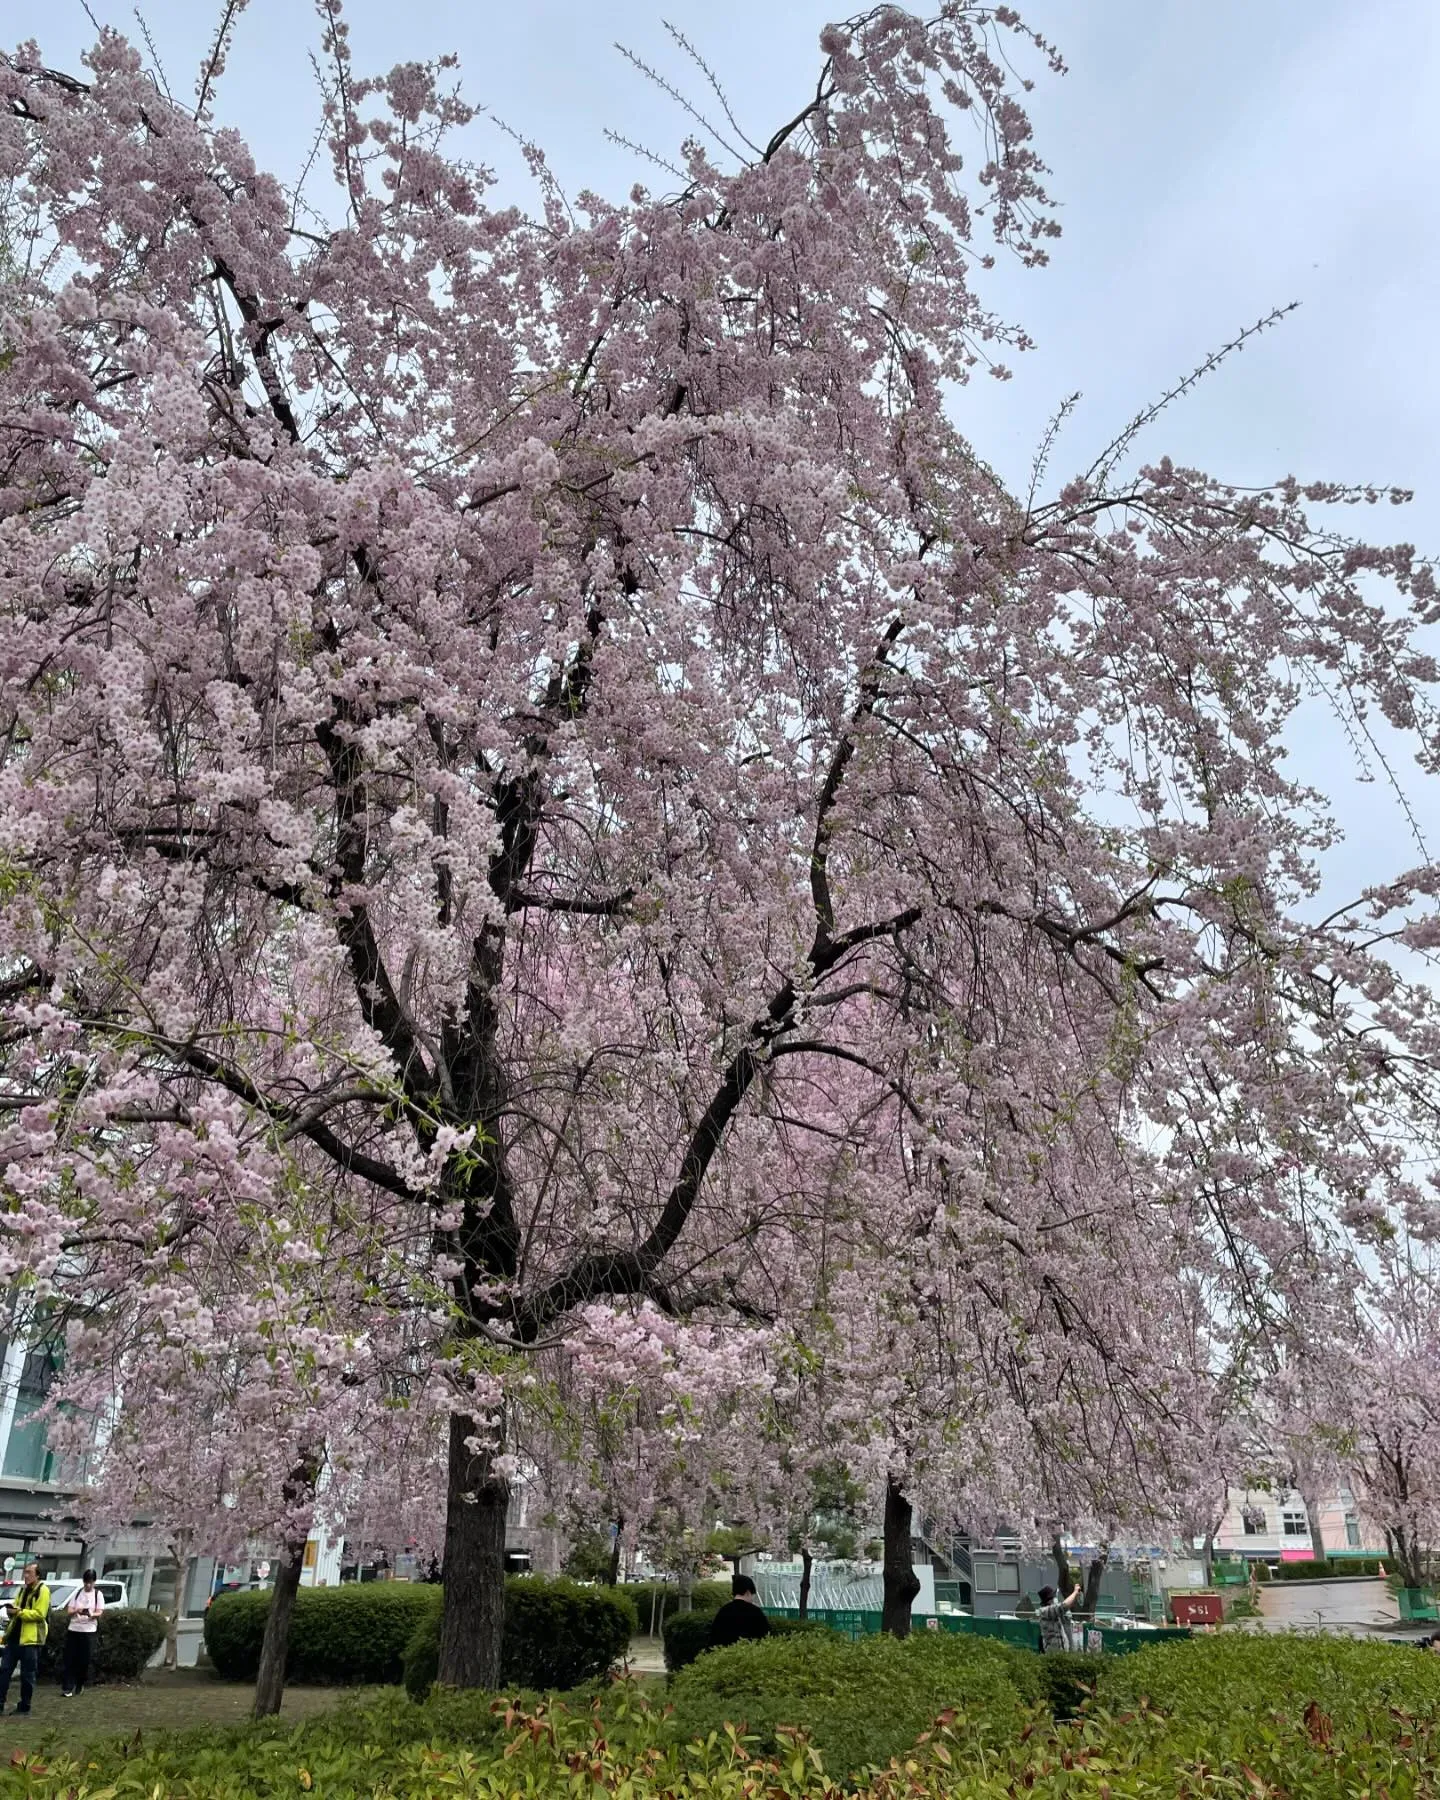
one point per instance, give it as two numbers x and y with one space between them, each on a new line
1356 1607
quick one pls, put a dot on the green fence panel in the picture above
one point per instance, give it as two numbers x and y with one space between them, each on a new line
1418 1605
1024 1633
850 1623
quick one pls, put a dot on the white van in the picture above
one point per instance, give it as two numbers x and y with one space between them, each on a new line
63 1589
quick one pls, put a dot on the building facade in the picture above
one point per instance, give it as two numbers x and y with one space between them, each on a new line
1273 1526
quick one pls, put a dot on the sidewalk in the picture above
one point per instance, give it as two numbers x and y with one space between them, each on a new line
1356 1608
647 1656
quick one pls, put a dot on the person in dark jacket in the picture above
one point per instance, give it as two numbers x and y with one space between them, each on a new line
740 1617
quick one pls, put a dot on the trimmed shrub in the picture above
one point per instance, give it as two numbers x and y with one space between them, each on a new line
1357 1565
1208 1680
687 1634
557 1635
1069 1680
422 1656
127 1638
352 1634
1328 1568
685 1638
664 1598
861 1703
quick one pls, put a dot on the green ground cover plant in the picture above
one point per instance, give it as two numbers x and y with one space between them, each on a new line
1232 1717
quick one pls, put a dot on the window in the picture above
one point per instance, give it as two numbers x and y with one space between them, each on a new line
27 1454
1253 1519
1007 1578
1352 1532
1295 1523
985 1582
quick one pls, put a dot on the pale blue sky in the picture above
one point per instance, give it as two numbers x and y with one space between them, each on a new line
1212 161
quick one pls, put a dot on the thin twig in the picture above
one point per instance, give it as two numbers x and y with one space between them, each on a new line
1101 469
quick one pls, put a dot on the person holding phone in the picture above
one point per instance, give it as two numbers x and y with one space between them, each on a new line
83 1611
25 1631
1057 1628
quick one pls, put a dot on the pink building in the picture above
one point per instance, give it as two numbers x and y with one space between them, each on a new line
1272 1526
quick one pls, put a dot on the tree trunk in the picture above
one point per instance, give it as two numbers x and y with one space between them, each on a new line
172 1630
687 1590
270 1681
1207 1557
1063 1579
1312 1515
1409 1558
901 1582
615 1552
807 1562
472 1622
1094 1575
177 1606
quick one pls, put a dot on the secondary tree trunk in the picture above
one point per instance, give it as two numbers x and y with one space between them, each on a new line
1094 1575
472 1622
807 1563
1312 1515
1409 1558
180 1551
1063 1579
901 1582
270 1682
615 1551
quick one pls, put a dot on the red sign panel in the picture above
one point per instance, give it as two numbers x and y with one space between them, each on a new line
1197 1609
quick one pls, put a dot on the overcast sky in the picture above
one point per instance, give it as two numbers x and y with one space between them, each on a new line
1212 161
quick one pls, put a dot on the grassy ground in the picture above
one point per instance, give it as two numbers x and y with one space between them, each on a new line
174 1700
181 1699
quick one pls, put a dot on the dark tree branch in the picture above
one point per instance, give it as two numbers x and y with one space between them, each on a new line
628 1271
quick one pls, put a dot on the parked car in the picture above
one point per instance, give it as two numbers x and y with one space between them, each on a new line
63 1589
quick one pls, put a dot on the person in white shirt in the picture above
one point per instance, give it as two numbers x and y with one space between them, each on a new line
84 1613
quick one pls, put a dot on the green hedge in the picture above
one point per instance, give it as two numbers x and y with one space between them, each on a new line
1070 1680
687 1635
1234 1675
127 1637
1327 1568
861 1702
705 1597
558 1634
351 1634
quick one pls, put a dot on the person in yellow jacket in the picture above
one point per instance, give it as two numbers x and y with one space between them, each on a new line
25 1631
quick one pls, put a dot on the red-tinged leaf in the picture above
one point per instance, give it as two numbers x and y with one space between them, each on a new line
1318 1724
